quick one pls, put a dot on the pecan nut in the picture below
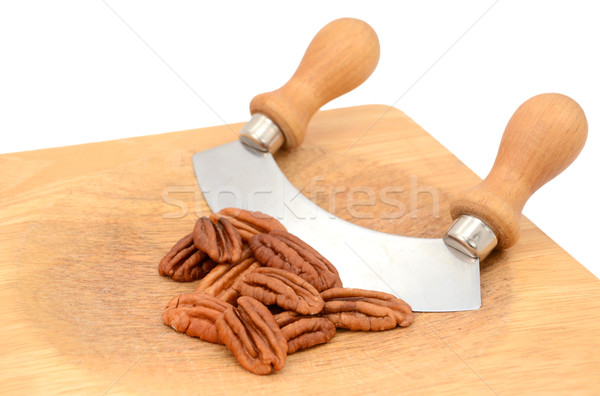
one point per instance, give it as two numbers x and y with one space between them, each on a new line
250 223
219 282
303 332
280 287
184 262
284 318
280 249
195 314
357 309
219 239
252 334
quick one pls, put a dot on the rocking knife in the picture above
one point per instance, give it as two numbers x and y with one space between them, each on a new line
542 138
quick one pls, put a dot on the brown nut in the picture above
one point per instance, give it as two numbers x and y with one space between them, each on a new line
220 240
303 332
280 249
252 334
249 223
220 280
284 318
184 262
358 309
195 314
280 287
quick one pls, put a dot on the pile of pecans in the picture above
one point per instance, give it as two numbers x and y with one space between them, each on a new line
264 293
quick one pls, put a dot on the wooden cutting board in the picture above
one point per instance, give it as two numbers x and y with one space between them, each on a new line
82 230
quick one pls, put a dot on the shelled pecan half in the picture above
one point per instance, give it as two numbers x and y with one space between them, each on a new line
303 332
252 334
280 287
219 281
280 249
358 309
219 239
249 223
184 262
284 318
195 314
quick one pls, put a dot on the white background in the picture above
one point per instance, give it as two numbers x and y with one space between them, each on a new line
85 71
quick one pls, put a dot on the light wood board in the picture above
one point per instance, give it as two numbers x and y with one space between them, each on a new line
82 230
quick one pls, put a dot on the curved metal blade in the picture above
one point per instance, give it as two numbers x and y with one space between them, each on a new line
424 272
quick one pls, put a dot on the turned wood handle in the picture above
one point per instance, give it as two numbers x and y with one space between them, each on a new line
340 57
542 138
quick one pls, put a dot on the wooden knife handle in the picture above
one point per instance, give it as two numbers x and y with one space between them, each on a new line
542 138
342 56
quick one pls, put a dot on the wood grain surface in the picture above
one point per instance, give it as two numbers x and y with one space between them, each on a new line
82 230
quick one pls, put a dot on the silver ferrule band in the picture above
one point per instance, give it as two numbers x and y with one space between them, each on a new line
262 134
471 236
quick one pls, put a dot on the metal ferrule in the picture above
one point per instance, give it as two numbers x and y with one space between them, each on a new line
262 134
471 236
